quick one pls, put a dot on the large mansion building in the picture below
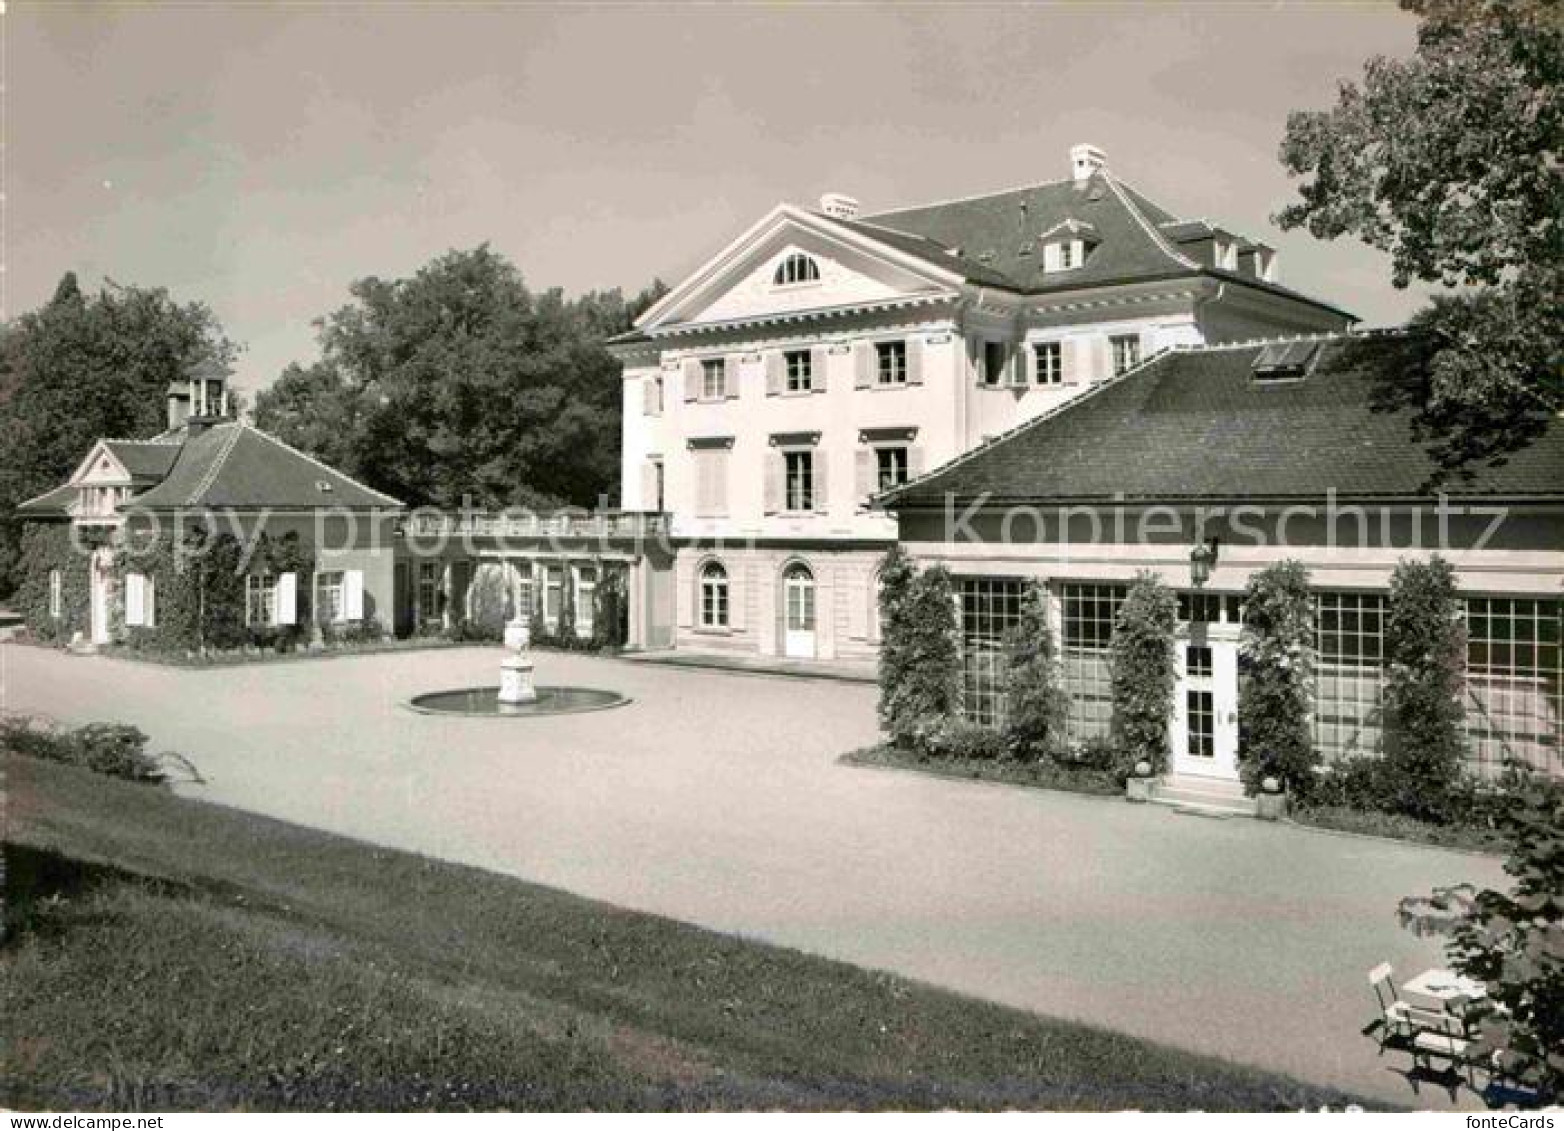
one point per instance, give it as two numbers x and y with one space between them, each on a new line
826 355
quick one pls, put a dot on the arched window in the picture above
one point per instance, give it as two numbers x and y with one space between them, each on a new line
796 268
798 586
714 596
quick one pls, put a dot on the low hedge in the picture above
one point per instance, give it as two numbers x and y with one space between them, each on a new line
115 749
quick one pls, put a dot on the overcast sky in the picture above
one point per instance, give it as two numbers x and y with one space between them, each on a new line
260 158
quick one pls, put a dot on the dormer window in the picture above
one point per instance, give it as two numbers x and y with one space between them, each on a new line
1067 244
1284 361
1066 255
796 268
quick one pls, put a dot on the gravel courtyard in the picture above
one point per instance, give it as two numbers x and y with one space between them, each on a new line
715 798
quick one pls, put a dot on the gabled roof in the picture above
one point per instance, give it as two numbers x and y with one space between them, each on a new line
1195 424
234 465
144 459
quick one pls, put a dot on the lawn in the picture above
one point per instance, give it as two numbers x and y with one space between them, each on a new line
170 954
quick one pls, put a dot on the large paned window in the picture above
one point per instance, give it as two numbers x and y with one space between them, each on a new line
890 360
428 592
800 480
800 370
1126 352
890 467
714 379
990 608
1348 677
1087 614
260 598
1515 683
1050 363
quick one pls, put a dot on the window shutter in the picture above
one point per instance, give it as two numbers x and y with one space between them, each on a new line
738 593
975 360
817 467
914 461
1023 370
353 594
914 361
819 369
692 379
651 402
857 611
774 473
285 606
730 376
863 473
1075 357
149 602
648 486
719 482
133 602
1147 344
863 365
776 366
687 593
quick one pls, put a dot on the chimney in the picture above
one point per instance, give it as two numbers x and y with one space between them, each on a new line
1086 159
839 205
178 405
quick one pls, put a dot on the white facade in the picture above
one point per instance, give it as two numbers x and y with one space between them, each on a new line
778 360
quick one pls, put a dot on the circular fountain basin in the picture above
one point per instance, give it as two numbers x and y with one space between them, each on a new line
485 702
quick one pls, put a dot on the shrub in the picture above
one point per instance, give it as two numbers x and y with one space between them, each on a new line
920 681
115 749
1097 753
1425 654
1143 673
1275 695
489 602
610 611
1035 702
959 738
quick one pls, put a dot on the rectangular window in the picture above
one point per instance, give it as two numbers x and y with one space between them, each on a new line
260 605
428 592
1088 612
891 467
1066 254
553 594
329 608
1126 352
800 480
890 360
714 379
1050 362
56 593
711 482
993 362
1348 673
658 486
1515 683
800 371
990 608
714 597
586 600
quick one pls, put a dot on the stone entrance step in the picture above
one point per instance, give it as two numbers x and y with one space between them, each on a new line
1204 796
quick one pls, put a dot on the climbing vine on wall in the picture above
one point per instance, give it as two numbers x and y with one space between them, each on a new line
1276 650
47 547
1143 672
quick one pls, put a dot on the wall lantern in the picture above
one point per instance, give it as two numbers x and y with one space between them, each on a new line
1201 561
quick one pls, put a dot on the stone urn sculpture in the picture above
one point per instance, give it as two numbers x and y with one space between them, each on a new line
516 668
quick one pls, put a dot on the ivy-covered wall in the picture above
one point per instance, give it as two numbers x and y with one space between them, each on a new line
48 546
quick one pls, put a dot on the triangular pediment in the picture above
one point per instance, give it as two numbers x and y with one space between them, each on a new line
750 278
101 466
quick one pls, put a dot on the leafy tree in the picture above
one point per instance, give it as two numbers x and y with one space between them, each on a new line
1275 696
82 367
1425 661
1035 703
1143 675
1448 161
897 573
461 383
1513 942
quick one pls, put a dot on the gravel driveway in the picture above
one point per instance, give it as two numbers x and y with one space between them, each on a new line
715 798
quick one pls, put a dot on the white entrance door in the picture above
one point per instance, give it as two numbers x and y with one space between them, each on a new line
99 589
1205 706
798 597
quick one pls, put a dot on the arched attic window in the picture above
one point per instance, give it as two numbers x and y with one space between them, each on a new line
796 268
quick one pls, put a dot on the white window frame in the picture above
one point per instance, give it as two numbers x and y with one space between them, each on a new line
56 594
1048 363
585 602
260 595
1125 350
804 479
429 587
799 370
890 362
715 596
714 378
796 270
899 459
330 593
